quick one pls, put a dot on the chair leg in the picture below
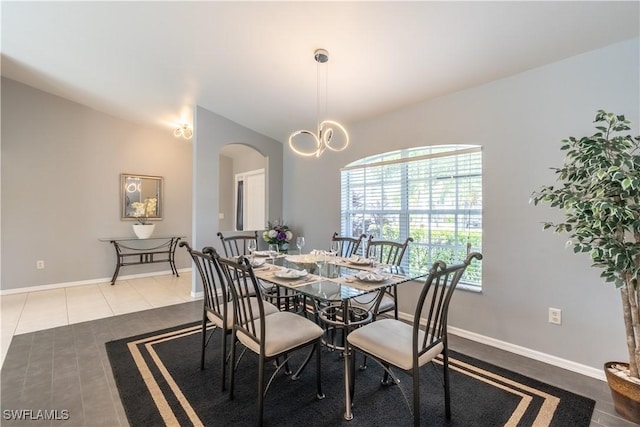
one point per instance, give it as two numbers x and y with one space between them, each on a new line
352 374
385 378
260 390
447 393
223 358
318 349
296 376
204 338
395 302
363 366
416 396
232 363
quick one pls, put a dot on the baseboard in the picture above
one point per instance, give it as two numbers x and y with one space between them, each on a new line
522 351
87 282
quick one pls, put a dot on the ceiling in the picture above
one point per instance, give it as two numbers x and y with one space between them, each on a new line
252 62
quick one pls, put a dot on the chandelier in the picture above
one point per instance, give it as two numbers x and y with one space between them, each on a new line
307 143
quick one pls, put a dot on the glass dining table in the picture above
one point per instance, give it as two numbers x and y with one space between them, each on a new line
333 281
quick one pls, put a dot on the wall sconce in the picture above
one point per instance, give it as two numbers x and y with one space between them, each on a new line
183 131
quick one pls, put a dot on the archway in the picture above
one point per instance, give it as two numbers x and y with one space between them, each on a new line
243 183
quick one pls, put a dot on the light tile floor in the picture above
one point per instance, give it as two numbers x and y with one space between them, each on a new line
34 311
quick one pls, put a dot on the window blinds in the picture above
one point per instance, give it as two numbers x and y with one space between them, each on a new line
433 194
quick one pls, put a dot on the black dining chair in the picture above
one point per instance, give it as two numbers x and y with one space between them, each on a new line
348 245
271 337
394 343
217 303
238 243
387 252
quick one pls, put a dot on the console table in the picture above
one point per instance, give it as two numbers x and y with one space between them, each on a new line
134 251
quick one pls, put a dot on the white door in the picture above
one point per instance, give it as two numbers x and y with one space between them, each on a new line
253 194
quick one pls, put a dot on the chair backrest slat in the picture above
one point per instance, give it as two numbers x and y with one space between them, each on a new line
216 295
348 245
238 244
243 283
389 251
434 299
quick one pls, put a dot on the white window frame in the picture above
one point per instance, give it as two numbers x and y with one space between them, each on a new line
378 189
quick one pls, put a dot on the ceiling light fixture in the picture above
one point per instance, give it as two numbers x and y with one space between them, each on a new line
183 131
329 131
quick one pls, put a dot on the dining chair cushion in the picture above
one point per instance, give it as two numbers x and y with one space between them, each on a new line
284 331
217 320
392 341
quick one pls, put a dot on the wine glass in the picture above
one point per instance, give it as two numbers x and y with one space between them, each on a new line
321 259
273 253
300 244
335 248
371 255
251 247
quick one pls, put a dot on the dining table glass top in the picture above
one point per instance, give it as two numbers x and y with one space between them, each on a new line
334 280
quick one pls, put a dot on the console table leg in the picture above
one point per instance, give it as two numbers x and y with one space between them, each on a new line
115 274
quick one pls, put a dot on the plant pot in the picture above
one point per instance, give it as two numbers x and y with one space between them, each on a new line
625 394
143 231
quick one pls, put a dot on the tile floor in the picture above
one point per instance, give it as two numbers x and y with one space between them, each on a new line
57 357
34 311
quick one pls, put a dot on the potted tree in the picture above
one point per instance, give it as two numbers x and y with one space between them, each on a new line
599 192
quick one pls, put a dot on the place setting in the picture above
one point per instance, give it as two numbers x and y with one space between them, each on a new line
292 277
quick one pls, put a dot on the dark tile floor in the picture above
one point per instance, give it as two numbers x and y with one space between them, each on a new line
66 368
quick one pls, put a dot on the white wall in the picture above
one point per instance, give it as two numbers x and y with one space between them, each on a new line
519 121
61 166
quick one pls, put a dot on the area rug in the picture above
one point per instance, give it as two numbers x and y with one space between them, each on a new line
160 383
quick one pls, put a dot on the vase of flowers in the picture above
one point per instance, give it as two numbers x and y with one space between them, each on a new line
141 211
278 234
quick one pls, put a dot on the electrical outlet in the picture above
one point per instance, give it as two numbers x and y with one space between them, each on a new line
40 264
555 316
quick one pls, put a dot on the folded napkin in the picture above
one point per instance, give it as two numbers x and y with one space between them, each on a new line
369 276
359 260
319 252
257 262
290 273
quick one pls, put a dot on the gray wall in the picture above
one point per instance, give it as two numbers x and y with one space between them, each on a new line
212 132
61 165
519 121
225 192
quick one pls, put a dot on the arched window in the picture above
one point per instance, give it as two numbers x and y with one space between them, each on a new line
432 194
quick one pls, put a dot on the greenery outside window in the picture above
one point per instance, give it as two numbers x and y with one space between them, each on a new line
432 194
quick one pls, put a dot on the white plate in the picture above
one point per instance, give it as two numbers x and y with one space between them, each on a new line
261 253
371 277
290 274
359 261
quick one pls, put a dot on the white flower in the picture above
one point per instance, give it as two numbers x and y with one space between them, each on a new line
273 234
289 235
142 210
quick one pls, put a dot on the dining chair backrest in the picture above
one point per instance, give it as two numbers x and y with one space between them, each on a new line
388 251
216 295
348 245
238 244
433 305
241 280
